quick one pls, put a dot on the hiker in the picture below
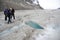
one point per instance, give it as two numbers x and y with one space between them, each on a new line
12 12
9 16
5 13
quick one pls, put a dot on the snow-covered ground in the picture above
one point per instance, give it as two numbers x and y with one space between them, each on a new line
18 30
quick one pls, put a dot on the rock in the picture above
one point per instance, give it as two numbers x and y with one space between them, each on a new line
18 4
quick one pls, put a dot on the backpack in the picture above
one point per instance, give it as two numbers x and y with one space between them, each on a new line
6 11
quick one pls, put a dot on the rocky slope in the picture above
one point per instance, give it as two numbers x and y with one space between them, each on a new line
18 4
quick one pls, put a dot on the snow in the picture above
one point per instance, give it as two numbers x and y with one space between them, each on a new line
18 30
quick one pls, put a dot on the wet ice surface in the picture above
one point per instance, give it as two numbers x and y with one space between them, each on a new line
18 30
34 25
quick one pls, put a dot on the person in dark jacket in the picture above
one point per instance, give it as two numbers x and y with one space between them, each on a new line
5 13
8 13
9 16
12 12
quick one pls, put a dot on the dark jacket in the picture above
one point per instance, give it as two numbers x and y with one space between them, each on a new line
5 11
9 12
12 11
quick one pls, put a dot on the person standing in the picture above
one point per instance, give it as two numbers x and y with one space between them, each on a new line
9 16
13 11
5 13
